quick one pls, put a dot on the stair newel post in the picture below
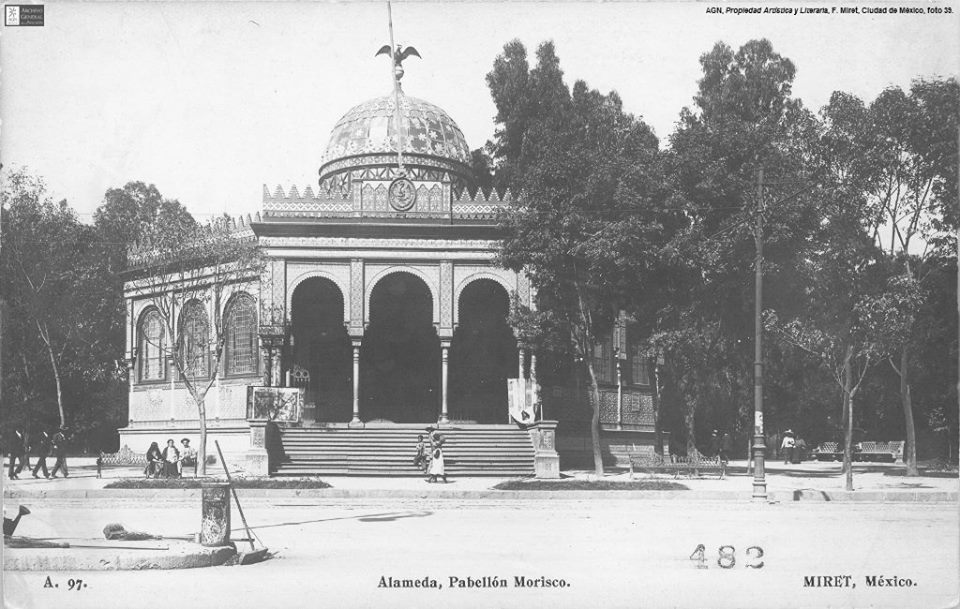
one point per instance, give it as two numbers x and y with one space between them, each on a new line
546 460
257 457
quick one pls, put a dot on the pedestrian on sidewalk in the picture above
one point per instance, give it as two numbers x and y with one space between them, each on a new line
43 450
59 447
786 447
15 454
726 447
25 461
715 443
436 463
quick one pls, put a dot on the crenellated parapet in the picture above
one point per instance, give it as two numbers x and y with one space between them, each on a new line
309 204
370 198
480 205
169 245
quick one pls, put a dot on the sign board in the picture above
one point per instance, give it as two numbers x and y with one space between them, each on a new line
281 404
522 395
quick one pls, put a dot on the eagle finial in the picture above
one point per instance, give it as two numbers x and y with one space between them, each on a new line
399 54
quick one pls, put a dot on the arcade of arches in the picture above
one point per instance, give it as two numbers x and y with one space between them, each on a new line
400 358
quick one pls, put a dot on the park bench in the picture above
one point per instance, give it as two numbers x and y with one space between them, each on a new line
696 464
862 451
879 451
123 457
126 457
828 451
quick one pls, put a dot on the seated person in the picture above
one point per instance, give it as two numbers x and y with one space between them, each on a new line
154 461
188 456
171 456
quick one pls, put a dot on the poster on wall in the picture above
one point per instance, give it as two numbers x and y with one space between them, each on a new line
279 404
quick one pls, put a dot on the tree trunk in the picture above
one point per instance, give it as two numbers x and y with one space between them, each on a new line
657 428
56 377
910 446
202 450
848 410
583 336
689 420
595 420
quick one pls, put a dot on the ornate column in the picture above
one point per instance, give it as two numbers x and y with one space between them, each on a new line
355 421
520 361
265 363
444 375
276 367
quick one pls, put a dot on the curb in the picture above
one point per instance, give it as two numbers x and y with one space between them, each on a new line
181 555
805 495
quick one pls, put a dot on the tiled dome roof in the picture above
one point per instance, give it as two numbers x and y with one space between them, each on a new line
369 129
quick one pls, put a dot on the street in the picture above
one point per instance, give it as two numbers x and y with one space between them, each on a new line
616 553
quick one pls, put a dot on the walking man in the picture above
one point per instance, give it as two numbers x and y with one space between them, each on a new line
25 461
43 449
59 447
15 454
787 446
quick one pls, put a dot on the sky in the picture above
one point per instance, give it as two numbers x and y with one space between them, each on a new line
211 101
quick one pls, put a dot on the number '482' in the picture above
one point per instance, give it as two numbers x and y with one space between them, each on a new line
727 558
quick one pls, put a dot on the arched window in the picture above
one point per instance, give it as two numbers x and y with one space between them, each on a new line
151 347
241 336
194 339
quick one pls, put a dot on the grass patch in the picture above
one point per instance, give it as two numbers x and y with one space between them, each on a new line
158 483
590 485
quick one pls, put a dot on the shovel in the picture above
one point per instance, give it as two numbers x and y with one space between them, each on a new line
254 555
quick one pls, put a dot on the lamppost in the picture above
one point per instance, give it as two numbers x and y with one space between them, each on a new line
759 475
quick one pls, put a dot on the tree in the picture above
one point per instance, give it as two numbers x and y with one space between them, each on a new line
181 263
587 174
906 162
42 242
743 121
840 269
121 221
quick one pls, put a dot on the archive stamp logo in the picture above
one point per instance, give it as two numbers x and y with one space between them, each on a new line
23 14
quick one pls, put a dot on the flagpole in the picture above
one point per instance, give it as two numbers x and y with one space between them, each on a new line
396 92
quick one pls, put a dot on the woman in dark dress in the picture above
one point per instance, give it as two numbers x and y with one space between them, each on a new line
171 456
154 461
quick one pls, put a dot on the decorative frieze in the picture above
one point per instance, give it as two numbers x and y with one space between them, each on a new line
446 295
357 299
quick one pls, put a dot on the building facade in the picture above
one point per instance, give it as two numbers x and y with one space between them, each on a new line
380 297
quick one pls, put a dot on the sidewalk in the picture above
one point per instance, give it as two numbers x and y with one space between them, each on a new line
812 481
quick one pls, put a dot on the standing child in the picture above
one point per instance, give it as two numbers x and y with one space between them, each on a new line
420 460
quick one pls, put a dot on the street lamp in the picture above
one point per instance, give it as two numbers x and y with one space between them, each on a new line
759 475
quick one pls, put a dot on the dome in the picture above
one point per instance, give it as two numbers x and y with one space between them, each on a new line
368 129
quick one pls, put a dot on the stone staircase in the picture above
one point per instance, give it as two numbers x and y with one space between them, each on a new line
469 450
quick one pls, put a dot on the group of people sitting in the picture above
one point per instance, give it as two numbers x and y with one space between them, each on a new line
170 461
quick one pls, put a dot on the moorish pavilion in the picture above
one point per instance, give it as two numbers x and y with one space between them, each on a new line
381 309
